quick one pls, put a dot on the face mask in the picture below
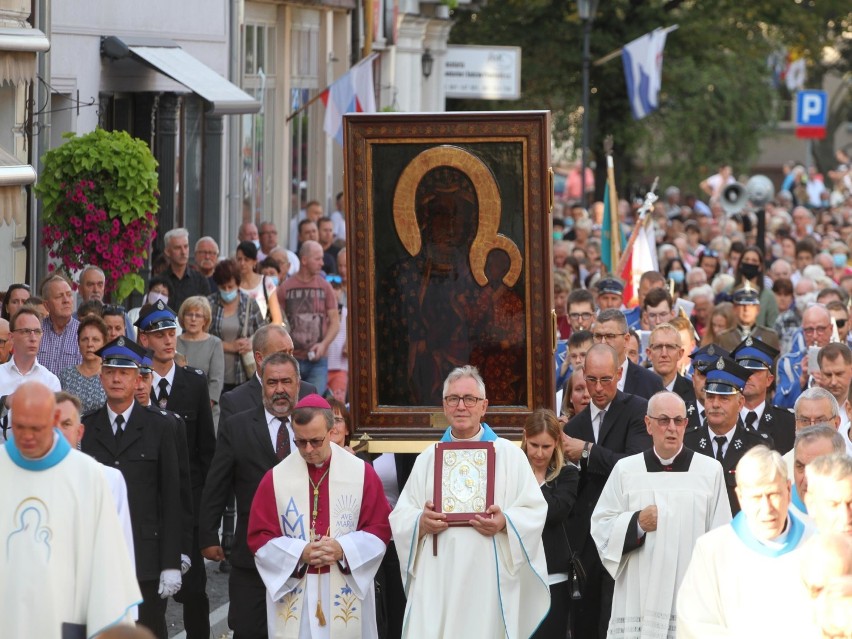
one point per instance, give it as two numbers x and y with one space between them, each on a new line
569 222
677 276
557 235
839 259
274 279
228 296
750 271
256 244
153 297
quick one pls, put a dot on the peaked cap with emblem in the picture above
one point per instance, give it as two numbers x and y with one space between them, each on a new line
156 317
706 356
726 377
122 352
746 294
609 285
755 354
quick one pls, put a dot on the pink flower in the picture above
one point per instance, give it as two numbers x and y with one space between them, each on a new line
51 267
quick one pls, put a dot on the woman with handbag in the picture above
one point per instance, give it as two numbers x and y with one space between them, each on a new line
235 318
558 481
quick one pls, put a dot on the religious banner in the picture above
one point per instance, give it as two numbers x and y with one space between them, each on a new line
450 265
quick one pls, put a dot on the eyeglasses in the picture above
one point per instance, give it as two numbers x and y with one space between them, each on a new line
469 400
810 421
607 337
209 252
661 347
334 279
583 316
314 443
665 420
3 342
28 332
815 329
593 381
710 253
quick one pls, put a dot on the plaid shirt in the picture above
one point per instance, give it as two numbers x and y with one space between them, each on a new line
255 322
58 352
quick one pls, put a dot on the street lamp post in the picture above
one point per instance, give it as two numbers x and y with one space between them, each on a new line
586 10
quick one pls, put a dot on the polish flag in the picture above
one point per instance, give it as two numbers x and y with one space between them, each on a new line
350 93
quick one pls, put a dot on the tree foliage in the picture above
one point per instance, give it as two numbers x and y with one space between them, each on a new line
717 99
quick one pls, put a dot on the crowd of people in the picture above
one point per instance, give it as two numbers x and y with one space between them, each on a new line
695 481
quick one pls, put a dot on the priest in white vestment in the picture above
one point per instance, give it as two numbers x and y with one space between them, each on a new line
487 579
653 508
65 571
318 529
744 578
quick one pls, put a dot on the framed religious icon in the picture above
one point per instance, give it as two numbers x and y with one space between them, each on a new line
449 248
464 480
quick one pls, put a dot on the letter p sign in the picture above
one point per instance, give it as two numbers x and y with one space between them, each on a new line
811 114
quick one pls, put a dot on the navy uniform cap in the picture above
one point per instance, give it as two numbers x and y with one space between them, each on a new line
609 285
755 354
726 377
146 366
122 352
706 356
746 295
156 317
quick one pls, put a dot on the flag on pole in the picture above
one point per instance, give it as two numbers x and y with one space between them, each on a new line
350 93
642 258
611 241
643 70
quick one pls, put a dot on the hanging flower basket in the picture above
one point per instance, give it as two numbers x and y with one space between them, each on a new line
99 197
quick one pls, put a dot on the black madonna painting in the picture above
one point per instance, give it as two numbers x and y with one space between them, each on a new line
451 262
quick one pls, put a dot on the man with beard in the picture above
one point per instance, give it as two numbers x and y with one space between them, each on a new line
249 444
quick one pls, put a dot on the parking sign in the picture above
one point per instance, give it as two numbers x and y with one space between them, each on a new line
811 114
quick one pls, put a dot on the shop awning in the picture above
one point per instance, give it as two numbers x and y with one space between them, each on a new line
224 97
18 49
14 175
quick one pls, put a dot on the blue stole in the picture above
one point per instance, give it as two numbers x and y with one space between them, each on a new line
794 536
797 501
61 448
487 436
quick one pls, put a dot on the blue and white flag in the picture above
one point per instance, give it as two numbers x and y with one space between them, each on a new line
643 69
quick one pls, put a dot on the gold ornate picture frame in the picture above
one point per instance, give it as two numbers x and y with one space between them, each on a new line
448 237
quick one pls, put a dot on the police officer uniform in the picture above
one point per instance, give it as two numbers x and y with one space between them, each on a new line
186 394
701 358
140 442
725 377
778 423
747 295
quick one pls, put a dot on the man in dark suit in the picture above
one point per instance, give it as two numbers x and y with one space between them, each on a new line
757 413
610 428
249 444
664 352
266 340
183 390
611 328
724 436
141 443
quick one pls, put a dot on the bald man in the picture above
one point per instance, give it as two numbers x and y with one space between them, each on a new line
5 340
64 544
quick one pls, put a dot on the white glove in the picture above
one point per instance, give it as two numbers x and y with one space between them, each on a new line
169 583
185 564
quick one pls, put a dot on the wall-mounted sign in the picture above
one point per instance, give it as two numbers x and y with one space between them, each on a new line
481 72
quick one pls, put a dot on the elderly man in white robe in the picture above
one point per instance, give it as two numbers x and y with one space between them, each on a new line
486 579
65 570
743 579
652 510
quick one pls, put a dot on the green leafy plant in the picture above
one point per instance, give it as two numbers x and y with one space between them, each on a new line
99 196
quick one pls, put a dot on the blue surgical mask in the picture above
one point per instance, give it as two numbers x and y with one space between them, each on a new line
569 222
256 244
228 296
557 235
274 279
677 276
839 259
